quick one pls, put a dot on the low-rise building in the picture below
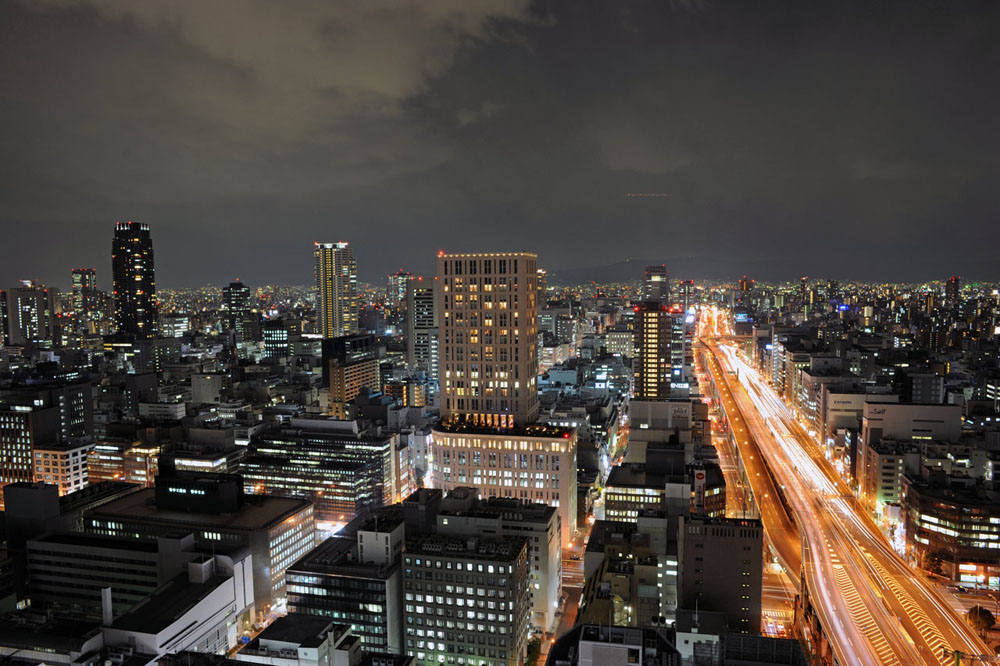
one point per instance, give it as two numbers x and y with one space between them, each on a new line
278 530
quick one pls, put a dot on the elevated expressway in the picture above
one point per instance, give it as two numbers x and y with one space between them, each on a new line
859 602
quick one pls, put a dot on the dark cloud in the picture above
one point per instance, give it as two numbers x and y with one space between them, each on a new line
857 139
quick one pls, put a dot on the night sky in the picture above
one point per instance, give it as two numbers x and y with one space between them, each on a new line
841 139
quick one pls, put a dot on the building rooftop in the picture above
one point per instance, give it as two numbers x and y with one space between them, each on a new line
534 430
84 539
338 556
301 629
33 630
258 512
168 603
492 549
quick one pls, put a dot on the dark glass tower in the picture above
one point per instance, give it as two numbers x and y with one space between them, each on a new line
134 281
236 301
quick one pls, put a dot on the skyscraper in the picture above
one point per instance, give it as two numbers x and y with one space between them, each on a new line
33 312
422 325
134 281
656 284
84 286
653 359
336 289
240 314
487 435
953 290
489 330
397 287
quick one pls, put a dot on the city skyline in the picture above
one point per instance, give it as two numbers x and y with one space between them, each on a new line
796 141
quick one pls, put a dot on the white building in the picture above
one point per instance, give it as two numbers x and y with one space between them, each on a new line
198 610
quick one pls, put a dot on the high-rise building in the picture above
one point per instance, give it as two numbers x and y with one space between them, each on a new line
746 284
656 284
489 333
33 312
543 287
397 288
489 401
240 313
350 363
953 290
134 281
652 362
336 289
422 326
4 332
84 286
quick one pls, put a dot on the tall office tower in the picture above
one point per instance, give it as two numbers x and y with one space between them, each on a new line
686 295
240 315
953 290
489 333
487 435
543 288
395 311
746 284
656 284
336 289
84 285
4 334
652 361
33 312
422 325
397 288
804 286
134 280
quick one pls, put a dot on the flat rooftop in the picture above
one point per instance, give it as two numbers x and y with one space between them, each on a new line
85 540
337 556
534 430
259 512
300 629
168 603
492 549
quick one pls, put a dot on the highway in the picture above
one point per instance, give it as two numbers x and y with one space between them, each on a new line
873 608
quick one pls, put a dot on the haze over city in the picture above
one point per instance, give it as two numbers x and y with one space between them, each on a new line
837 138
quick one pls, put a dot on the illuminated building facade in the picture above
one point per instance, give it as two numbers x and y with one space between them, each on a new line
134 281
422 351
350 363
656 284
534 463
960 523
342 471
63 465
33 312
485 584
489 330
84 290
278 530
652 361
336 289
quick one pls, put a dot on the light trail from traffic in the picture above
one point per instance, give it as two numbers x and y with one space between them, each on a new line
872 607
